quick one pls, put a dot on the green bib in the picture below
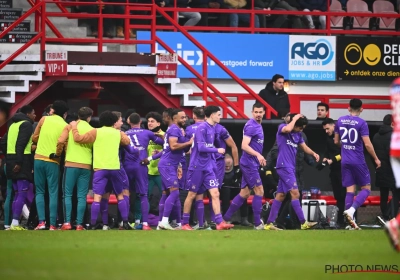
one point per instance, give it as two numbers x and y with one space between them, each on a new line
12 137
49 133
106 149
79 153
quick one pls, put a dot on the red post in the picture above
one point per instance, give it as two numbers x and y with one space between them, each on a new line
43 32
126 20
37 18
100 28
252 17
175 16
328 18
153 28
205 75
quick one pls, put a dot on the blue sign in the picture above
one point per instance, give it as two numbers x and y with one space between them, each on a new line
312 58
249 56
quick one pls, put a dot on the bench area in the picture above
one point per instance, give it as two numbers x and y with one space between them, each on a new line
330 200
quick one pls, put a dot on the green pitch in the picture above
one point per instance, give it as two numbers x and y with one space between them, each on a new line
235 254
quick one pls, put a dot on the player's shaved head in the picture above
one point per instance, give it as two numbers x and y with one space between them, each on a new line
198 112
355 104
134 119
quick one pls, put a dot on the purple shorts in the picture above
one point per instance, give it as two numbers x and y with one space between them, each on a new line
199 181
287 180
138 178
250 177
21 185
220 171
182 181
169 177
102 177
109 186
355 174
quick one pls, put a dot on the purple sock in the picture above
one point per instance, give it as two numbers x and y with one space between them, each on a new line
212 214
297 209
360 199
185 218
349 200
128 203
170 202
95 212
177 210
199 206
257 207
104 210
218 219
123 210
144 205
235 205
18 204
161 206
276 205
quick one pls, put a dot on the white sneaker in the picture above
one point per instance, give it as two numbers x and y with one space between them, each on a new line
260 226
166 226
105 227
351 221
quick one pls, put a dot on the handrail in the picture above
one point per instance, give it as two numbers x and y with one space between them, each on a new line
219 63
48 22
26 45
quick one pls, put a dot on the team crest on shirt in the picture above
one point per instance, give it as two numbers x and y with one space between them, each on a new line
193 187
258 181
175 182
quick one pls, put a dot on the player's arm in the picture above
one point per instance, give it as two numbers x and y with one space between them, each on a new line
125 140
63 140
35 136
156 138
200 136
87 138
175 145
246 148
235 153
307 150
289 127
371 151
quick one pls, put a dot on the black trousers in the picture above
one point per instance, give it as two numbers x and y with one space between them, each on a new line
226 195
389 210
339 192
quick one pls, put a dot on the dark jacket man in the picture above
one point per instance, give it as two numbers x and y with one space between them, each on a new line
19 161
277 98
381 143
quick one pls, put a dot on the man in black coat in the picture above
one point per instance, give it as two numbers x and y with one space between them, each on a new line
276 97
19 162
384 175
333 159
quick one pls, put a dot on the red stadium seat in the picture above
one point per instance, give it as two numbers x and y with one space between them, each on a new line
113 199
356 6
385 7
336 21
330 200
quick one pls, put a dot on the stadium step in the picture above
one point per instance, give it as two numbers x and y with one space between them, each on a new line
24 26
185 93
17 78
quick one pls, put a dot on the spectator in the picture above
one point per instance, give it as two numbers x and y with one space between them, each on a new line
235 18
322 111
281 20
315 6
230 189
276 97
384 175
193 17
108 23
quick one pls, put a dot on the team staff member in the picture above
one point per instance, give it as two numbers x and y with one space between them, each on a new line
46 166
78 165
19 163
333 159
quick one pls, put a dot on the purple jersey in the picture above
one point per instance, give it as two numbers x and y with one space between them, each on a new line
203 150
169 157
221 134
351 129
140 139
253 130
189 133
287 146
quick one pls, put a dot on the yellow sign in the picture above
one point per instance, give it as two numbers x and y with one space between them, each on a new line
371 54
